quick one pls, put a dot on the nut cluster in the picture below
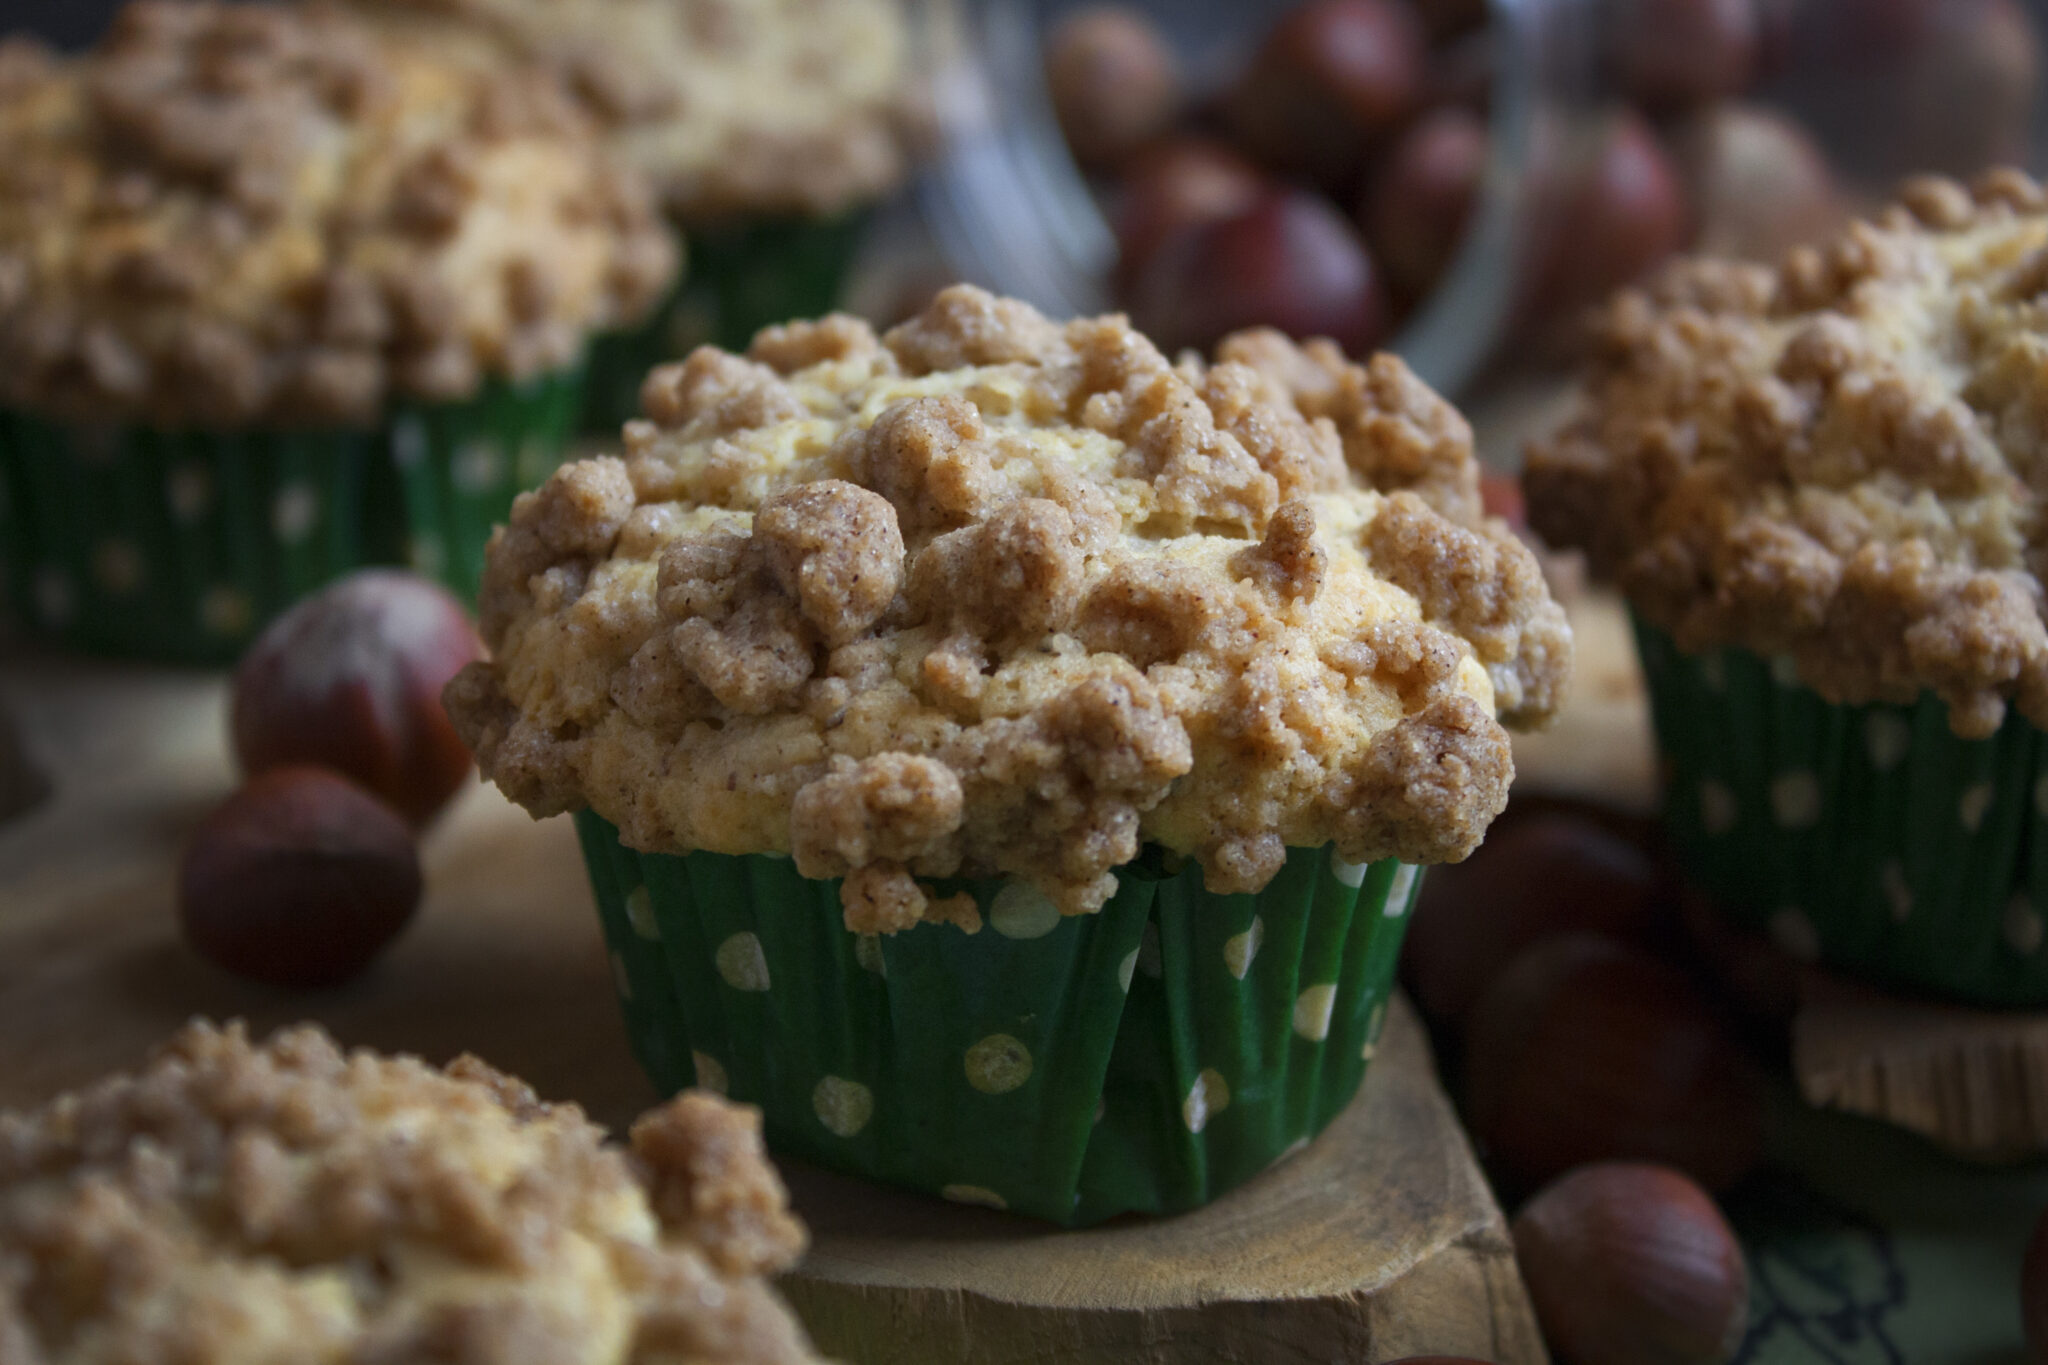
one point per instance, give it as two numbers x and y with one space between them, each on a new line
229 215
1838 461
991 594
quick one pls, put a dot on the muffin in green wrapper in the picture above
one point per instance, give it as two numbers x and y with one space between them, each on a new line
1006 756
1819 489
280 297
768 128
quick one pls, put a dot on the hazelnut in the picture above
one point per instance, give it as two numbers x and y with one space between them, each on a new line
1674 52
1290 262
1114 81
351 679
1585 1049
1632 1265
1538 877
298 879
1758 182
1330 77
1624 214
1174 186
1417 207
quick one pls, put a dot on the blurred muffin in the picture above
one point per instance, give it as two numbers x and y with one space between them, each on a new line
236 1203
1818 487
279 296
997 621
768 126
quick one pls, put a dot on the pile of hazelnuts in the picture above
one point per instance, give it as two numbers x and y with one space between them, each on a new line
310 869
1326 185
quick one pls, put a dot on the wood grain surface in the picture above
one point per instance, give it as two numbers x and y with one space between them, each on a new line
1380 1240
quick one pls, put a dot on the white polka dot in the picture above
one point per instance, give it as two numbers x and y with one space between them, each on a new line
1897 894
1795 933
1784 671
294 513
1718 811
741 963
1795 800
189 491
710 1075
1713 673
427 555
1372 1031
1886 738
1149 961
408 442
117 565
1209 1097
1240 949
620 979
867 951
1312 1010
640 913
998 1064
224 611
1021 910
1351 874
478 467
55 598
1127 968
2023 928
843 1106
1974 806
974 1194
1401 891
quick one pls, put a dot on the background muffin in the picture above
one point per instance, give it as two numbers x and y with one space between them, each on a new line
237 1203
1819 488
768 126
997 621
279 296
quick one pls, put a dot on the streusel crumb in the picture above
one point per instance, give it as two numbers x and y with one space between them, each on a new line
244 1205
994 595
234 215
1839 461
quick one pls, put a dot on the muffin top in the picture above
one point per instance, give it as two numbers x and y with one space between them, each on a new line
729 106
230 215
237 1204
995 595
1840 461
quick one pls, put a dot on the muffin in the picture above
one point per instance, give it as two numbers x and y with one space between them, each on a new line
768 126
1819 487
280 297
1005 755
237 1204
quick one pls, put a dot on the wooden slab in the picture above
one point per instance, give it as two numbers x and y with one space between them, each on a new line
1379 1241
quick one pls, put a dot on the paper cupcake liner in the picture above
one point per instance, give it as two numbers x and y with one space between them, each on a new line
1866 837
1146 1058
740 278
179 546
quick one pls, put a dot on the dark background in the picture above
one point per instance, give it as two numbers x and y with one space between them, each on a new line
71 23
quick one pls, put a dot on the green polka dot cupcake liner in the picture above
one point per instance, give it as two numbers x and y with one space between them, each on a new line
740 278
1868 838
178 546
1143 1059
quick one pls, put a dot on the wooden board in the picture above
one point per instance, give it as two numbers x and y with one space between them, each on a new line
1377 1242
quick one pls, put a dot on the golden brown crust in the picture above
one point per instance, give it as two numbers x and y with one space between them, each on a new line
994 595
236 1204
1838 461
731 107
232 215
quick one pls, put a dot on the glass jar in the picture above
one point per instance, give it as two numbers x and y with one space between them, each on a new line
1814 113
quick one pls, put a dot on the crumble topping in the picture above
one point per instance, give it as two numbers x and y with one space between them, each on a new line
990 594
237 1204
729 106
1839 461
231 215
